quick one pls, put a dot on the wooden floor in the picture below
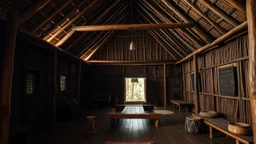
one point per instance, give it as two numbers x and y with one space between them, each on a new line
171 131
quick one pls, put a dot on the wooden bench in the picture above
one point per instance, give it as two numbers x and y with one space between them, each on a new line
181 103
221 125
134 112
152 116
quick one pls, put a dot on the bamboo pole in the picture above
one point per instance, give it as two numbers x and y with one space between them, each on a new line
219 40
7 67
251 17
32 10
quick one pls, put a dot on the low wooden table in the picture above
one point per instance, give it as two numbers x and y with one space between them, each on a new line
134 112
181 103
221 125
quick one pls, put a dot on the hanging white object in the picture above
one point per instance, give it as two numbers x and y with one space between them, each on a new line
132 46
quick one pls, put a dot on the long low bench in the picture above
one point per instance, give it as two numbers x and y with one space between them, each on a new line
134 112
152 116
221 125
181 103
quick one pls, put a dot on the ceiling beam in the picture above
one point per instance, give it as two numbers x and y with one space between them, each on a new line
238 4
220 12
213 23
219 40
73 20
140 62
198 30
131 27
25 15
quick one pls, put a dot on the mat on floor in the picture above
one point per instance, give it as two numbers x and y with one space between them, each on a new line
111 142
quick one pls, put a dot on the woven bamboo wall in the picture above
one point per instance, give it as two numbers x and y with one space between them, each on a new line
110 79
234 53
117 48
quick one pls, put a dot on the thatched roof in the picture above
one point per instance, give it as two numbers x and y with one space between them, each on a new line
53 21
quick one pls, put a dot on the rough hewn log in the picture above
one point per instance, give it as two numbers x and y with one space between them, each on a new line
131 27
251 17
7 72
220 13
73 20
205 36
197 109
219 40
238 4
32 10
131 62
213 23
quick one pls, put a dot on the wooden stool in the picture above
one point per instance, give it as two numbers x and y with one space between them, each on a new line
91 124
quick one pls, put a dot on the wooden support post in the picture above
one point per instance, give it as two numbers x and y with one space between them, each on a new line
196 84
210 129
251 17
54 85
79 81
6 71
165 92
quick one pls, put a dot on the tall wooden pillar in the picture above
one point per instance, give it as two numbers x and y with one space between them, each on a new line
196 84
165 93
6 72
79 81
251 18
54 85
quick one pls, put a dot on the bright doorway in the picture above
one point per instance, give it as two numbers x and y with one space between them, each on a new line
135 89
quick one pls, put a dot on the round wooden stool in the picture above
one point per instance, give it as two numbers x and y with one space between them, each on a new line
91 124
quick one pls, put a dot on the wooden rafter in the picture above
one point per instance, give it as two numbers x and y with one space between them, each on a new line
160 36
220 12
213 23
131 27
238 5
130 62
64 19
168 21
182 31
32 10
219 40
73 20
199 31
52 15
96 21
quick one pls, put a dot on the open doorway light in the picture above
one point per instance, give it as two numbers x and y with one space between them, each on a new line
135 89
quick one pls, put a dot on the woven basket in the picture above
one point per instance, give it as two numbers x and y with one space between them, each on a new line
239 128
208 114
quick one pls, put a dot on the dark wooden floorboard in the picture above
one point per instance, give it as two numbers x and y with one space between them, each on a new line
171 131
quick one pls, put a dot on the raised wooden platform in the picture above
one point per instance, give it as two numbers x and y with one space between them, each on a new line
221 125
181 103
134 112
